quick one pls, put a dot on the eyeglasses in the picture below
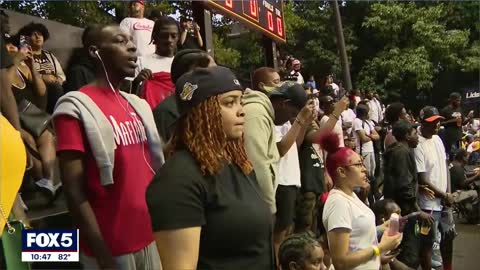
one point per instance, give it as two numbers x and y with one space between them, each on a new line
358 165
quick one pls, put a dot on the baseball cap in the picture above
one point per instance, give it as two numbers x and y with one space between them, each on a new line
401 128
430 114
195 86
289 90
139 1
454 95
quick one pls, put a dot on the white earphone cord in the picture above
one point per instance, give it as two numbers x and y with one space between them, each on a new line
126 110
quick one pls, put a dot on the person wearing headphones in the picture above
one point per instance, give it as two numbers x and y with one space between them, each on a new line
109 149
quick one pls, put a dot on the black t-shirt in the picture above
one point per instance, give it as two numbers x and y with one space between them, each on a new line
236 223
166 114
457 176
453 133
190 42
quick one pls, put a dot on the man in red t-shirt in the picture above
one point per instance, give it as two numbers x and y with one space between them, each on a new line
153 70
107 160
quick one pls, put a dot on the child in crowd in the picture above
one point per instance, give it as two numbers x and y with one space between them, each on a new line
301 252
383 209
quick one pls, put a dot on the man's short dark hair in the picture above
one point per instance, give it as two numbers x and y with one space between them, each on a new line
87 37
185 60
259 76
161 22
393 111
28 29
93 36
155 14
401 129
362 110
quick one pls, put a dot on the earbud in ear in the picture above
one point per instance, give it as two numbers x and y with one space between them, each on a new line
96 52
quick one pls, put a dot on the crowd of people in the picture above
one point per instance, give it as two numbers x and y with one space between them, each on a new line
167 162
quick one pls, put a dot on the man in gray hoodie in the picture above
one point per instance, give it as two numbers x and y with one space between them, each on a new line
274 103
260 142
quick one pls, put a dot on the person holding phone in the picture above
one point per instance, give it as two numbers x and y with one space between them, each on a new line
383 210
350 224
27 84
190 37
45 62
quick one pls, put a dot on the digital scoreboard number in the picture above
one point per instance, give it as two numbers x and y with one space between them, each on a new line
265 16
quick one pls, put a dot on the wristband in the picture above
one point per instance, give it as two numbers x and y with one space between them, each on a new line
336 117
376 251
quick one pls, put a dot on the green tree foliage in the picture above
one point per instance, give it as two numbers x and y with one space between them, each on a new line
82 13
398 48
224 55
417 46
311 37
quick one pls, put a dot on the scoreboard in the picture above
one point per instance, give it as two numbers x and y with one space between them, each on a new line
265 16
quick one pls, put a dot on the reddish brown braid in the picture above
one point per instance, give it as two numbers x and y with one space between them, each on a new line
201 132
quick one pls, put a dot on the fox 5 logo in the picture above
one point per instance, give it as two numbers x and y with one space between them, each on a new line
50 240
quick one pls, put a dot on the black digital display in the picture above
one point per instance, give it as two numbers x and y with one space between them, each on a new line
261 15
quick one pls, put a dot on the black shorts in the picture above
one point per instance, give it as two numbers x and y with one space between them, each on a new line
285 198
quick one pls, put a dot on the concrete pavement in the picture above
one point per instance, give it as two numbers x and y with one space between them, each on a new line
466 248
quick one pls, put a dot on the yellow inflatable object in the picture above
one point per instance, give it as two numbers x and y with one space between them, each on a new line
13 161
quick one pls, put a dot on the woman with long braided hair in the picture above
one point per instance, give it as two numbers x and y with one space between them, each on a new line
205 205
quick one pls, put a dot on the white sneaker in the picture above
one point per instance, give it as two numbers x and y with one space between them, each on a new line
46 184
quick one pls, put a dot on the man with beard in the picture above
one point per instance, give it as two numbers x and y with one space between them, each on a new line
431 161
108 148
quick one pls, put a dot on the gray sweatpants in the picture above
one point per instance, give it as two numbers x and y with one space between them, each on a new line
146 258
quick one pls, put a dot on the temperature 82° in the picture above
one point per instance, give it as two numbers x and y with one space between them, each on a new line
63 257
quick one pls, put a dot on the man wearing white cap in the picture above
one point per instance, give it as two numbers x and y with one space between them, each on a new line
296 66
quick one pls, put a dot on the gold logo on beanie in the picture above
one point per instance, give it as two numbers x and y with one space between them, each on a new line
187 91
